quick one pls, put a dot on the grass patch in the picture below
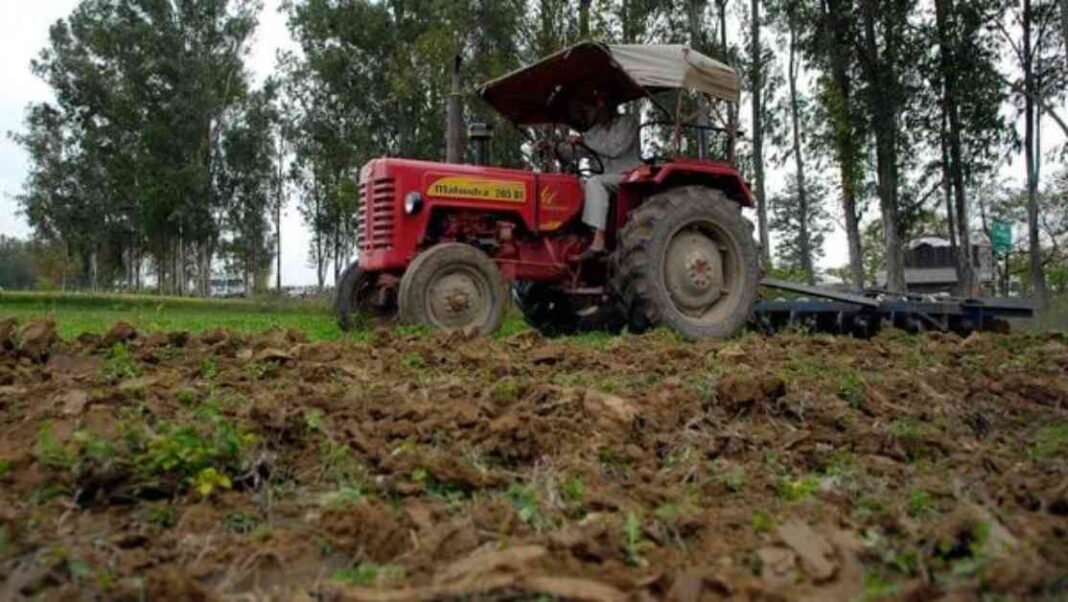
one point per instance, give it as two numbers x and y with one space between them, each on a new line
75 313
147 458
1050 440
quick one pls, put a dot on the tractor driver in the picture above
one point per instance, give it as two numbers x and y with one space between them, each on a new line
614 138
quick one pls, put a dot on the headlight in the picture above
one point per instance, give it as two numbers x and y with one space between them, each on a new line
413 203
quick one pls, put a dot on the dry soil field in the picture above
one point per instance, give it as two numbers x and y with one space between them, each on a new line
218 465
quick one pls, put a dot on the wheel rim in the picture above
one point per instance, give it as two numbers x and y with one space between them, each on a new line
702 270
458 298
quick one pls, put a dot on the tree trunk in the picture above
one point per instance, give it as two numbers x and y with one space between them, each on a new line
954 171
1064 23
584 18
732 109
1038 275
804 238
696 9
278 217
756 83
846 144
883 104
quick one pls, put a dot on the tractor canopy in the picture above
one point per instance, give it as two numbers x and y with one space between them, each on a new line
572 85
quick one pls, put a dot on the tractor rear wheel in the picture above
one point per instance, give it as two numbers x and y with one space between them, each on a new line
453 286
686 259
355 292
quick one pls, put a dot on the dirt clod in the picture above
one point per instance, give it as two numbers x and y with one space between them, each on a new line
120 332
36 339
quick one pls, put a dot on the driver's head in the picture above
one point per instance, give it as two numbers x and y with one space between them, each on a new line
603 111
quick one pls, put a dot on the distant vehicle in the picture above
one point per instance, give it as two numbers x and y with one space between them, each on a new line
227 287
931 266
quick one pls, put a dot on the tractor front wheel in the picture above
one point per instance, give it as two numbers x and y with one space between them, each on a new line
686 259
355 295
453 286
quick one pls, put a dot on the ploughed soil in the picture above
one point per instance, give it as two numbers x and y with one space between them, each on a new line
152 466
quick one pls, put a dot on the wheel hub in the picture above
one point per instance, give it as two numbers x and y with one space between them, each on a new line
694 271
457 300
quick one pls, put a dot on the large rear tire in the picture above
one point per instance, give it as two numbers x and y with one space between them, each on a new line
453 286
354 295
686 259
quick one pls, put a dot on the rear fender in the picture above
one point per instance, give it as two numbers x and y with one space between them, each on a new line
714 174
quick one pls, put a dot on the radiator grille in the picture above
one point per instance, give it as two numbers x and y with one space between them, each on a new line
374 230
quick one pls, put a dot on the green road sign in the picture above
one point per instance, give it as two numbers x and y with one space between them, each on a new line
1001 233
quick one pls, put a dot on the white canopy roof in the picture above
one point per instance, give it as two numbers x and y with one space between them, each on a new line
677 66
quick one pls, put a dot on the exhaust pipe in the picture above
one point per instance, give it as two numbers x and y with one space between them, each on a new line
479 134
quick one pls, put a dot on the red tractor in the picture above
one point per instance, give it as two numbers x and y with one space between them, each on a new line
449 245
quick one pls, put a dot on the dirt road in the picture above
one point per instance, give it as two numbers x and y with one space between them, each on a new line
177 466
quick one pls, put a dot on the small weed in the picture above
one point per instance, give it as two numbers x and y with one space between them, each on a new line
261 533
851 388
525 500
796 490
670 514
209 369
634 540
413 360
877 588
342 497
120 363
573 490
610 458
5 467
261 370
367 573
417 331
919 503
506 389
5 542
735 479
46 493
162 516
51 452
762 522
239 522
79 569
905 427
1050 441
186 397
338 463
208 480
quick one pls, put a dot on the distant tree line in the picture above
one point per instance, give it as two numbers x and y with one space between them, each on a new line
891 117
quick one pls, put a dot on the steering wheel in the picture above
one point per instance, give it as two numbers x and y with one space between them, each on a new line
596 166
551 154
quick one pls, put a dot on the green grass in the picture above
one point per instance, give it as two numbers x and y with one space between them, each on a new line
75 313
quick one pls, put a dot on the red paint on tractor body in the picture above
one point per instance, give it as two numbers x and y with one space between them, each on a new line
530 221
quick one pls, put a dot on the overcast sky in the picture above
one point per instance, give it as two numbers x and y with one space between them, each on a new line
26 24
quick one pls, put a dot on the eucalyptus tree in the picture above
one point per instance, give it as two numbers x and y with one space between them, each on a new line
1043 77
143 87
843 127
